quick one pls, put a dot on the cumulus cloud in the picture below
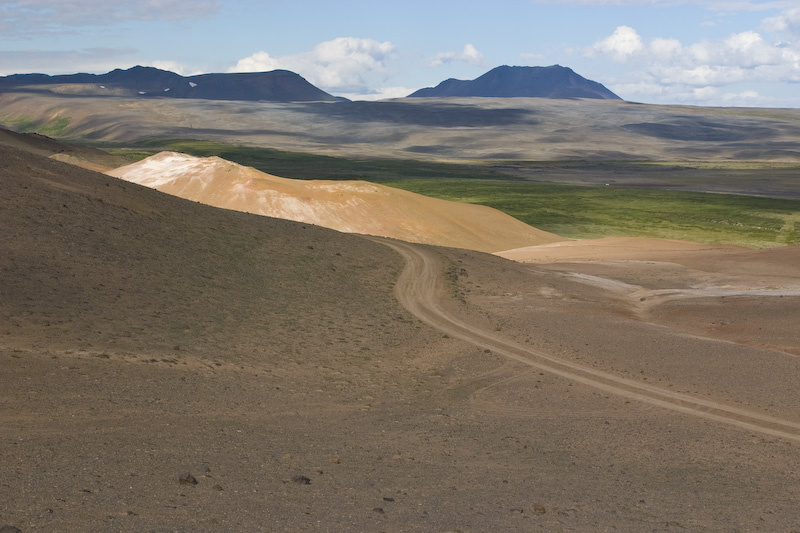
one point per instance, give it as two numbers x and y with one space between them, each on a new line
621 45
176 67
787 22
469 55
702 70
342 65
382 93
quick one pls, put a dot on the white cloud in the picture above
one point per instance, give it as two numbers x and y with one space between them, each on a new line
341 65
665 49
787 22
259 62
699 71
469 55
382 93
177 68
621 45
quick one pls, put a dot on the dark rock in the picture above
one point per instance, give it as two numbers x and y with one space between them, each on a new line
187 479
301 480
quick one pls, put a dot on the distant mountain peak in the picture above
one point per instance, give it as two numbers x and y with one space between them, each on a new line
276 85
506 81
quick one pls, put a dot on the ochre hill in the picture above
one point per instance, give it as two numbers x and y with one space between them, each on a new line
347 206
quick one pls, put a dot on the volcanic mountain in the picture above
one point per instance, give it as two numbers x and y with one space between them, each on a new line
347 206
274 86
506 82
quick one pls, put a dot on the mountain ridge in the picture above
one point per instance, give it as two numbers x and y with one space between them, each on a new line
512 81
273 86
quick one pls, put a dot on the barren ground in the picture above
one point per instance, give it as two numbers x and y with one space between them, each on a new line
538 129
168 366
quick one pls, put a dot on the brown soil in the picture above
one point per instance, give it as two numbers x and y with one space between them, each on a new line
168 366
348 206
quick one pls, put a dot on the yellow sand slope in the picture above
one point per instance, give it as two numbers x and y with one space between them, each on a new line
348 206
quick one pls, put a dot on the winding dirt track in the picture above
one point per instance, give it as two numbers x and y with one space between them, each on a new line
420 288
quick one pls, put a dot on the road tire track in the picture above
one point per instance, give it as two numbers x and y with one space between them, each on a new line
420 288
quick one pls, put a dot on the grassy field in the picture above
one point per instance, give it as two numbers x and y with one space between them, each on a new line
56 127
574 211
592 212
300 165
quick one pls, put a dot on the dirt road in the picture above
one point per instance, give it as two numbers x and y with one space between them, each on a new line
420 288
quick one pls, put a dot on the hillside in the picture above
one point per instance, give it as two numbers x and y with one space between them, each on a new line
348 206
86 157
274 86
530 82
167 365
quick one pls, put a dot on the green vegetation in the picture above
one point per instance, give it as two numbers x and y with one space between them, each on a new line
56 127
299 165
573 211
593 212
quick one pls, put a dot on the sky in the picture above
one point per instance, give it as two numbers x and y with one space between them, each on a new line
693 52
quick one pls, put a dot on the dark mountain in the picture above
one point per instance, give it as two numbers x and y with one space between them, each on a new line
275 86
506 82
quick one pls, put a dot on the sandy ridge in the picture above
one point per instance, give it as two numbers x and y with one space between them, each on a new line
347 206
419 289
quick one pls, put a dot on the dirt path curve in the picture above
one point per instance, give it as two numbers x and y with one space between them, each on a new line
420 287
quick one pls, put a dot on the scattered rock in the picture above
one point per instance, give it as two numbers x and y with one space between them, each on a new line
10 529
187 479
539 509
379 510
388 499
301 480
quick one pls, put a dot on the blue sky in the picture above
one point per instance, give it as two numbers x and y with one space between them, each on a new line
698 52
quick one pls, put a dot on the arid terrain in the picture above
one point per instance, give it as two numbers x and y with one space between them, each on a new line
170 366
347 206
513 129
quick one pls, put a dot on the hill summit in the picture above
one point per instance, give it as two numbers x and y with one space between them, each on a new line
346 206
506 82
273 86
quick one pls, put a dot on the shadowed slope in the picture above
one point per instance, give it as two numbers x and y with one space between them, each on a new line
348 206
82 156
107 265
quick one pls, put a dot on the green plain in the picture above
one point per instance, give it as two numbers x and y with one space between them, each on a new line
573 211
581 212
